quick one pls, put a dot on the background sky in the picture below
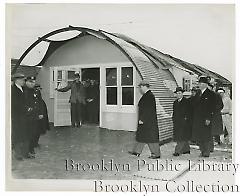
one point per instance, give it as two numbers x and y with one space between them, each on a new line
202 34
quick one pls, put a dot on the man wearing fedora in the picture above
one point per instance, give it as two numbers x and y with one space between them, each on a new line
19 135
181 123
77 100
147 130
203 112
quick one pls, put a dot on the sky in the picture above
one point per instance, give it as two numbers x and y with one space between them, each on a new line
202 34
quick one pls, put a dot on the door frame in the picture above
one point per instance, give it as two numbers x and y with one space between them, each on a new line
102 67
79 68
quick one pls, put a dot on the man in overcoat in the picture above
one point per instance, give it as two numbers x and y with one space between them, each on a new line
147 130
202 121
36 113
19 135
217 124
77 100
181 123
93 101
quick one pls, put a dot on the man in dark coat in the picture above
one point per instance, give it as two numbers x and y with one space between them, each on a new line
20 135
181 123
217 124
36 113
203 113
77 100
147 130
93 101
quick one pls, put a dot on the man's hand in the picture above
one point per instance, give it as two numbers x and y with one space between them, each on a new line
140 122
207 122
40 116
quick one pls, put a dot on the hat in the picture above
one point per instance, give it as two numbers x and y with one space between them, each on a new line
211 85
203 79
194 89
144 83
179 89
18 76
221 90
31 78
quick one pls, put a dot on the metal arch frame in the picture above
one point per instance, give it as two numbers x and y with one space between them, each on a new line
71 28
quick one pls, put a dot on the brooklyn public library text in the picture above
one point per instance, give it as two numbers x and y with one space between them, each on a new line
158 165
169 186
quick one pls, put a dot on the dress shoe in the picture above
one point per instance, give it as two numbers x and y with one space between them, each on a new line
187 152
19 158
176 154
204 155
30 156
154 157
134 153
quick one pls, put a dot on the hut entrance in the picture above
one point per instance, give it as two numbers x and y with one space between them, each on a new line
91 80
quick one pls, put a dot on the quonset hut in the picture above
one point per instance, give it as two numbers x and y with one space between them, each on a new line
118 63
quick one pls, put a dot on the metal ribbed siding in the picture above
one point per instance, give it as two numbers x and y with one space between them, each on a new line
164 96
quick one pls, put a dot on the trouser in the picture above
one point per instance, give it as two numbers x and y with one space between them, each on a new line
21 149
92 111
182 147
153 147
205 147
76 113
227 123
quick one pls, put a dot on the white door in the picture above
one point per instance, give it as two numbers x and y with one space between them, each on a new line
62 111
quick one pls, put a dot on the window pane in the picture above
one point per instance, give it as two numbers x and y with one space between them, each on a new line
127 76
111 76
112 95
127 96
59 75
71 75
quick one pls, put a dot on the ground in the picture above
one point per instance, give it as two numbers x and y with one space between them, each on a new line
90 145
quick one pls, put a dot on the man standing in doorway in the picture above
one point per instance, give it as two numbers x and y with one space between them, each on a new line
147 131
203 113
77 100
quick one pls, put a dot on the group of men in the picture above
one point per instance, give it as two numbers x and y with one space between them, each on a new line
84 100
201 118
29 116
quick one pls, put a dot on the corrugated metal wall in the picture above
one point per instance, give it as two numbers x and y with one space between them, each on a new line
159 79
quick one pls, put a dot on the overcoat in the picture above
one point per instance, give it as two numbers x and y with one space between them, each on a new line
217 123
203 110
181 120
18 116
147 132
35 107
78 92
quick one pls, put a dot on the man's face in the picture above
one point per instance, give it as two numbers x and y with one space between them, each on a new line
194 93
221 94
31 83
179 94
20 81
77 79
141 89
202 85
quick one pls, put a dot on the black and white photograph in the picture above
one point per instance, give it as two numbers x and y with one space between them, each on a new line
121 97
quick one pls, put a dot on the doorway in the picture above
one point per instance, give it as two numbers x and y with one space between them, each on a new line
91 80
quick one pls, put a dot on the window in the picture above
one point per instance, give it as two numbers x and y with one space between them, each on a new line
187 84
127 95
111 85
127 76
127 86
70 76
